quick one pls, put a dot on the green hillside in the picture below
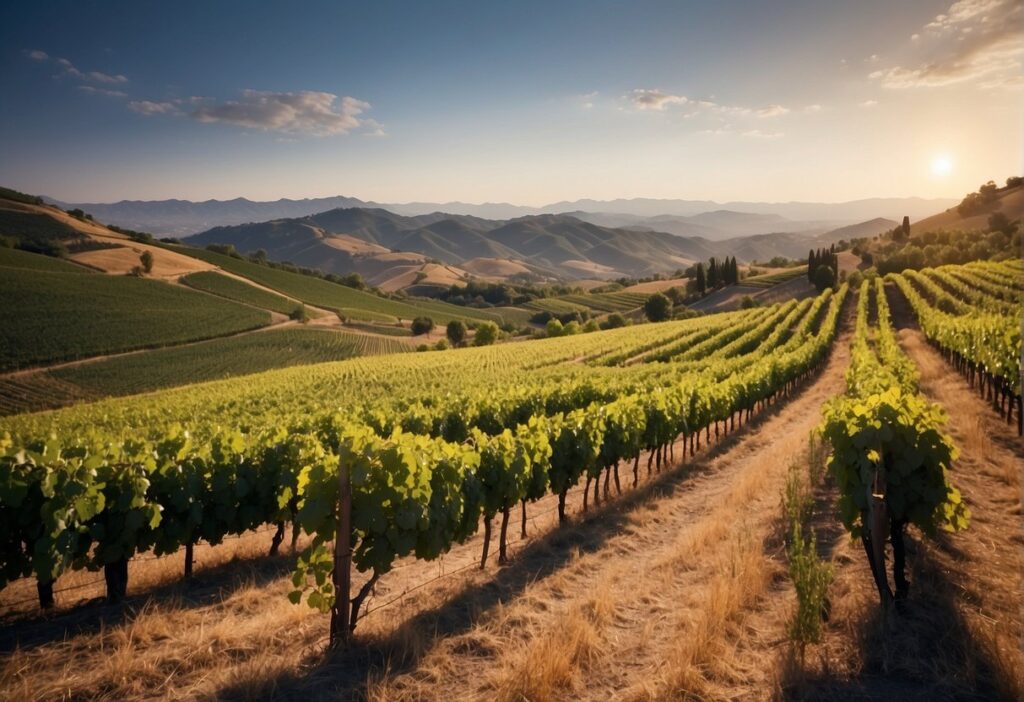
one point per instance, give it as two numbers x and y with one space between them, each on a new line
48 317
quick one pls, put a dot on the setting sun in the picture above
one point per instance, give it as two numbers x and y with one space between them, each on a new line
942 166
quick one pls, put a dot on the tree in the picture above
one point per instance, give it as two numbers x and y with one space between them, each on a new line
555 328
572 328
260 256
999 222
658 308
486 334
147 261
456 332
422 325
702 279
1014 181
712 273
613 321
812 264
590 326
824 278
906 227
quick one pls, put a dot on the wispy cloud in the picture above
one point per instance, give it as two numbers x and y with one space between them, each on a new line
302 113
306 112
93 90
974 40
69 69
654 99
660 100
730 130
149 108
869 103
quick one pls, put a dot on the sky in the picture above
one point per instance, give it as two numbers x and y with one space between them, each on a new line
522 102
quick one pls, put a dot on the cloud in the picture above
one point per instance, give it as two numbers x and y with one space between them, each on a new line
772 111
659 100
69 69
586 100
974 40
305 112
869 103
92 90
149 108
654 99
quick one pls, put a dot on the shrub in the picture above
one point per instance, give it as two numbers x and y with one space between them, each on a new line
658 308
614 321
486 334
300 314
422 325
555 328
147 261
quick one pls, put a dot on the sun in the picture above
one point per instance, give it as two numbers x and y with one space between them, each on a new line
942 166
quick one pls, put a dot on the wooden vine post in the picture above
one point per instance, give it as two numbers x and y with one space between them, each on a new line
341 630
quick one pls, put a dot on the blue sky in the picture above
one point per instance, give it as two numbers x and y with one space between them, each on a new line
521 102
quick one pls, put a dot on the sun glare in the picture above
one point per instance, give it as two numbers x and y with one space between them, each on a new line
942 166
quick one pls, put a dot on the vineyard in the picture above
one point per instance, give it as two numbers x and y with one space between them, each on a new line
370 464
99 314
234 289
181 365
351 303
120 479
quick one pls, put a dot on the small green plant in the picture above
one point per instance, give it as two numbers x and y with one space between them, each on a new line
811 576
811 579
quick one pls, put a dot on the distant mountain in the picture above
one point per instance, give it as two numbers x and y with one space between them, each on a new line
716 225
182 217
559 244
848 212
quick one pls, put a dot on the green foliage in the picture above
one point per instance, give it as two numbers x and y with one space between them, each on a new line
881 426
146 259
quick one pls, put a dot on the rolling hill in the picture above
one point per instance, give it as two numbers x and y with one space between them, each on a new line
545 245
1010 203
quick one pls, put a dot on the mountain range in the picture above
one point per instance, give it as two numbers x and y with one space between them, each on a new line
704 218
384 246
